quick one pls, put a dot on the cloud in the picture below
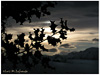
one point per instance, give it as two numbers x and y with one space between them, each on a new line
53 50
83 40
78 4
27 41
67 46
91 15
80 15
95 39
92 33
64 52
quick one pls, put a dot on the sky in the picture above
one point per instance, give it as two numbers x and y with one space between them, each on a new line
82 15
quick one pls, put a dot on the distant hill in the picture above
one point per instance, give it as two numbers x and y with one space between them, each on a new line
91 53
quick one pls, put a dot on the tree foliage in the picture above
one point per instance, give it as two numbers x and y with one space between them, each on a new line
21 12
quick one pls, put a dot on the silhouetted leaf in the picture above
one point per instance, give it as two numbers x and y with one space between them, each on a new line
8 37
73 29
53 26
62 34
30 36
53 41
20 40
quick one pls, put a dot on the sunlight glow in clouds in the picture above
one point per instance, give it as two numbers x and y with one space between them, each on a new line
47 29
72 38
47 22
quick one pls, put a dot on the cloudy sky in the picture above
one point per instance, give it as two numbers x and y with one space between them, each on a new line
83 16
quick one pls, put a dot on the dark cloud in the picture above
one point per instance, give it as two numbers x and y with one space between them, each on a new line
53 50
91 15
78 4
83 40
95 39
80 15
85 3
92 33
85 23
67 46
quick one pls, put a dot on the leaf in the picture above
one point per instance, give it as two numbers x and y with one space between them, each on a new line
53 26
72 30
20 39
8 37
62 34
53 41
30 36
16 41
